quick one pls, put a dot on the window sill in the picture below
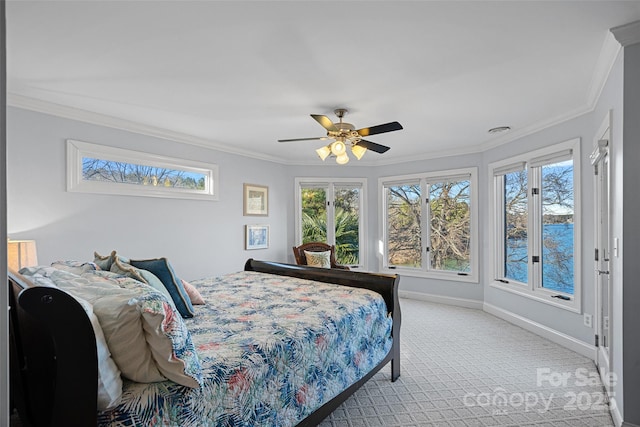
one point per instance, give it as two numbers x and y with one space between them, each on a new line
453 277
540 296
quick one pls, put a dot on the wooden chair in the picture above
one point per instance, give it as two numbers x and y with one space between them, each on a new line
298 252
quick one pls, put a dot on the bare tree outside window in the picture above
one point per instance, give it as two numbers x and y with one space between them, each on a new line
450 232
557 226
404 240
129 173
516 257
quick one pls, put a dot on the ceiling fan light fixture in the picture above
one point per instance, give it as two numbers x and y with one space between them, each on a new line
323 152
342 159
338 148
358 151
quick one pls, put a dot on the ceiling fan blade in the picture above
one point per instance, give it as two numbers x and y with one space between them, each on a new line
321 138
325 122
373 146
374 130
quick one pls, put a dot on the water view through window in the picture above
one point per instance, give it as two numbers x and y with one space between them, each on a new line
557 239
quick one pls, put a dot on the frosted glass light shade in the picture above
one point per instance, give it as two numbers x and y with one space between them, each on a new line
21 253
338 148
323 152
358 151
342 159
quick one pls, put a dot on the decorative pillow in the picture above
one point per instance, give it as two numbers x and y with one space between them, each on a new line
104 261
121 322
166 335
163 270
144 276
126 270
109 381
318 259
194 294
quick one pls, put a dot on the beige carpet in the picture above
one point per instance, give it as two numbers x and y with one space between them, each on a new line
464 367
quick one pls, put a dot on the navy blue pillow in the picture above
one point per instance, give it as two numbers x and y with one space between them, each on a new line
163 270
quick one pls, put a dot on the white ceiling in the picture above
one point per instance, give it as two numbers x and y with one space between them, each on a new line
240 75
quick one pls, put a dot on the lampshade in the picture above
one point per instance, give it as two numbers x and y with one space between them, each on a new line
338 148
324 152
21 253
342 159
358 151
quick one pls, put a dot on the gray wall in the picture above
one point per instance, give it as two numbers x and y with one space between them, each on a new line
200 238
630 236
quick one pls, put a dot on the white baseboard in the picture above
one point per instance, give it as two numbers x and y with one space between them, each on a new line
557 337
459 302
615 412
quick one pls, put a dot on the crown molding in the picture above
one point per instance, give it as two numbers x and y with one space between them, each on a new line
608 53
59 110
627 34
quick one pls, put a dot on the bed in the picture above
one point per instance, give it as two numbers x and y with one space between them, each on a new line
272 345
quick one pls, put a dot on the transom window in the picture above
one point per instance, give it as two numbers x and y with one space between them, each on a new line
429 224
93 168
537 224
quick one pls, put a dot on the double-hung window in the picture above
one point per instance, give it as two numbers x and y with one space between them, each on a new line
331 211
536 224
429 224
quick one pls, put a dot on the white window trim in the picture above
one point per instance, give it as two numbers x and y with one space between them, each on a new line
76 150
330 182
381 253
530 290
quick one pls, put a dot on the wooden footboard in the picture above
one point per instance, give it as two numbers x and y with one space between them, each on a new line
53 356
385 285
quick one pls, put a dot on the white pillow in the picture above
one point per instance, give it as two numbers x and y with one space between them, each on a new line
318 259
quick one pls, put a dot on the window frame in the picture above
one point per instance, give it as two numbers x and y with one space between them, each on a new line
330 184
77 150
533 161
424 179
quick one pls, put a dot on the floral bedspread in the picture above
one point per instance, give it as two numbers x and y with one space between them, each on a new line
272 349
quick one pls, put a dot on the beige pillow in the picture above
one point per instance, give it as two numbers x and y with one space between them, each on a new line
318 259
123 329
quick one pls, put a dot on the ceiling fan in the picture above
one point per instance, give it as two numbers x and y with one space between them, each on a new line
345 133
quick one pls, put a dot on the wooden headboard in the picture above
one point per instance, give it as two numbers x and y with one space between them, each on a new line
54 362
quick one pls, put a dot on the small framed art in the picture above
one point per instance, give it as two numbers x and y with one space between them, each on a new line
256 200
256 237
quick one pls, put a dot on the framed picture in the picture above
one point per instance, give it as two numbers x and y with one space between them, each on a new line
257 237
256 200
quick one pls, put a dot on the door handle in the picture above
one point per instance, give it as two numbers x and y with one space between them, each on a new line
600 272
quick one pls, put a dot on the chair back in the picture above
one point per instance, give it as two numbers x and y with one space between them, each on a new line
301 259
